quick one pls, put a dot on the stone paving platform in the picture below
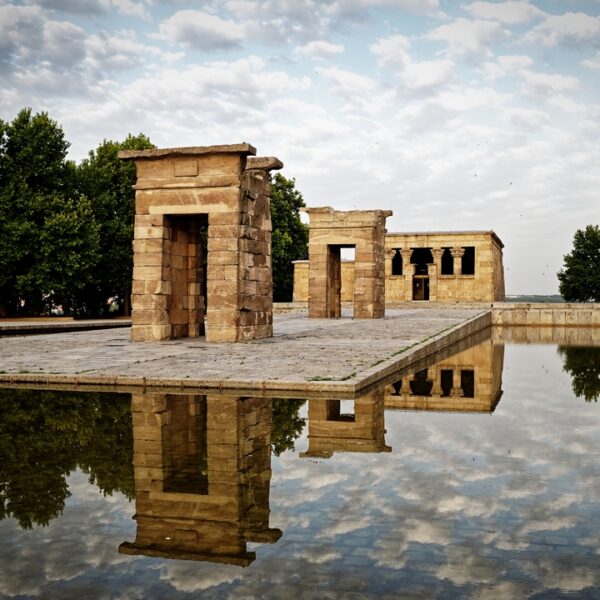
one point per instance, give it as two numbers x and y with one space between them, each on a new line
57 325
304 354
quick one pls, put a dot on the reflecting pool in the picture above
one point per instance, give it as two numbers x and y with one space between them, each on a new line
476 476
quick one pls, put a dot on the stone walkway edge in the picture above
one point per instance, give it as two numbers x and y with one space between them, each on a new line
350 387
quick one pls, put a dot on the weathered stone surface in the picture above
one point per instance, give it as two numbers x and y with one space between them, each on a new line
179 192
330 231
485 285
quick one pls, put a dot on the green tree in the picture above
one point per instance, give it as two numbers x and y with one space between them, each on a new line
45 435
48 237
290 235
580 277
583 365
108 183
287 425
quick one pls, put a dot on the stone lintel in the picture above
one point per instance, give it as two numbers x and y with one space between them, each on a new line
339 216
264 163
154 153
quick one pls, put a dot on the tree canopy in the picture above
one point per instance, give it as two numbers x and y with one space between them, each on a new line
580 277
48 237
66 229
108 183
583 365
45 435
290 235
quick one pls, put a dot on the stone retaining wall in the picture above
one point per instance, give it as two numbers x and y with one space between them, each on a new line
546 314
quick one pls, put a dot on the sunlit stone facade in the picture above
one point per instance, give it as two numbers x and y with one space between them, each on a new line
330 231
447 267
202 244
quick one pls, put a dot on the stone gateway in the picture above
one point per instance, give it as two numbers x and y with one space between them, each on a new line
202 243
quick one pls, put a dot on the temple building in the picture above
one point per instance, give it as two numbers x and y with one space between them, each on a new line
450 267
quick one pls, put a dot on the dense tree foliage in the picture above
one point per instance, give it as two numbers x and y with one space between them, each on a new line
290 235
45 435
580 277
287 424
108 183
48 237
583 365
66 230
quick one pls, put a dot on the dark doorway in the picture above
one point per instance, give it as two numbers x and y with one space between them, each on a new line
185 450
340 410
187 265
468 261
467 383
446 382
420 287
447 262
420 385
334 282
397 263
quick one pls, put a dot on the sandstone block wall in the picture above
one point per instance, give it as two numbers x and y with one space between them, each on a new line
485 285
330 231
540 314
202 467
483 362
363 431
202 244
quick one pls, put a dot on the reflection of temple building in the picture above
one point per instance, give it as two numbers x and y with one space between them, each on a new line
335 427
469 381
202 476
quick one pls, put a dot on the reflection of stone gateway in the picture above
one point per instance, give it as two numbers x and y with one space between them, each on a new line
331 431
185 197
202 476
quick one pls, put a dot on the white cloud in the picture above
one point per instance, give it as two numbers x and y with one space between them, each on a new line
320 50
202 31
81 7
106 52
570 29
393 53
27 37
506 65
346 82
511 12
465 36
593 62
466 99
423 7
542 84
131 8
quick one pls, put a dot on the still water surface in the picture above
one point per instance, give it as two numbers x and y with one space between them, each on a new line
477 477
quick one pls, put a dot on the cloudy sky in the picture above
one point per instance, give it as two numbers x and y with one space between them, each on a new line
455 115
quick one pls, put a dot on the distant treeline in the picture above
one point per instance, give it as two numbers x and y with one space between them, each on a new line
553 298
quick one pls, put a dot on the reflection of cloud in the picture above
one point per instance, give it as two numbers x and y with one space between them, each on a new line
346 524
62 552
192 577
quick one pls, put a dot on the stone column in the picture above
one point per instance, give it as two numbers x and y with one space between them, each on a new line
434 374
456 391
457 254
408 272
434 271
390 253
